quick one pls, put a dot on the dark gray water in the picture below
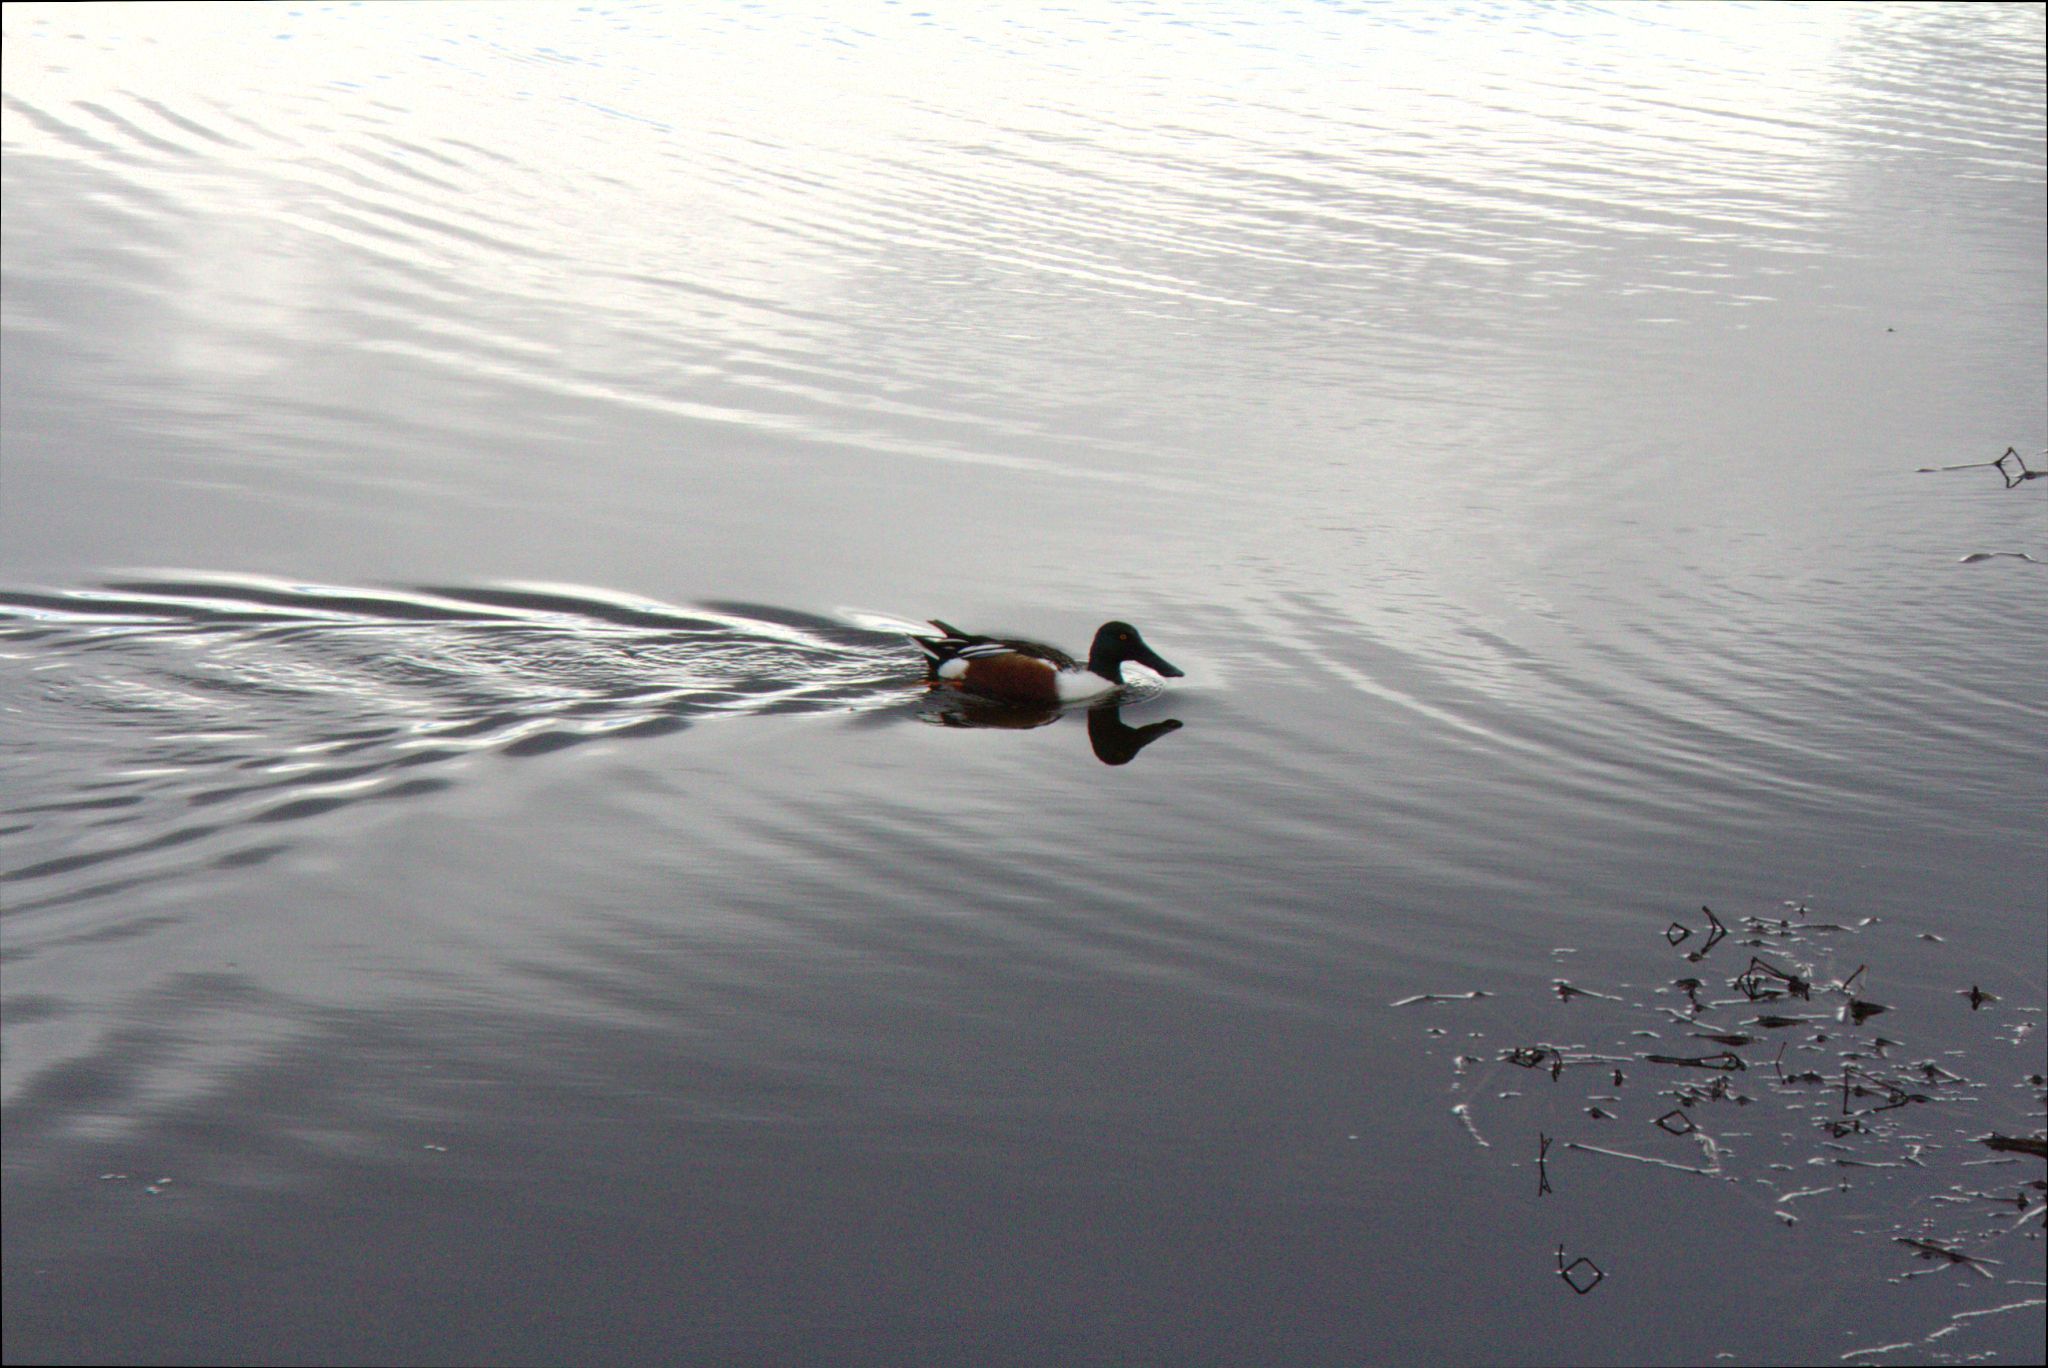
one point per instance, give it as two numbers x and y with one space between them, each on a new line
483 878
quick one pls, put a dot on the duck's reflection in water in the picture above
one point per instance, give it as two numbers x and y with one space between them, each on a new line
1115 742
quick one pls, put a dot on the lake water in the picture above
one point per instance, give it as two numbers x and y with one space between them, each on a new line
485 881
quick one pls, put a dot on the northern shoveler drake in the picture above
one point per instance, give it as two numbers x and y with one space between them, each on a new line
1030 672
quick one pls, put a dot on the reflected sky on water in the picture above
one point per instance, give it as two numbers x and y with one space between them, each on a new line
475 827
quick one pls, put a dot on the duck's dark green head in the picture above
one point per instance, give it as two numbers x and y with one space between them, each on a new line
1117 642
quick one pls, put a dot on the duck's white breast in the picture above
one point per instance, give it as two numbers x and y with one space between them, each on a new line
1075 685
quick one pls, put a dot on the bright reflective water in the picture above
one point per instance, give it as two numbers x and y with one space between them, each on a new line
484 880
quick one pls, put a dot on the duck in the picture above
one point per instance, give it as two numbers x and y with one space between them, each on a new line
1032 673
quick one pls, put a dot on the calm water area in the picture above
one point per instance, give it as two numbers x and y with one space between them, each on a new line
484 880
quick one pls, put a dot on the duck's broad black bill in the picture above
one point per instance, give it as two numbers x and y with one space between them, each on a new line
1149 657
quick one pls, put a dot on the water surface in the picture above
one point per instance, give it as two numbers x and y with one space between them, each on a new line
484 880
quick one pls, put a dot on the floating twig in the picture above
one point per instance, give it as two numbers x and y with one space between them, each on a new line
2011 467
1717 1091
1678 932
1474 995
1579 1271
1727 1061
1853 1084
1928 1249
1676 1122
1537 1057
1733 1038
1757 982
1714 1172
2036 1145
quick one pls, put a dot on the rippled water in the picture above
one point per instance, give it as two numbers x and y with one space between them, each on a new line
484 879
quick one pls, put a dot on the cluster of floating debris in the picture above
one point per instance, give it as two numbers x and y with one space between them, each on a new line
1784 1033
